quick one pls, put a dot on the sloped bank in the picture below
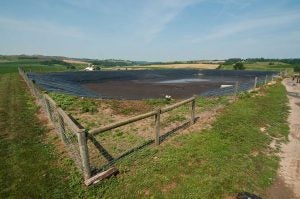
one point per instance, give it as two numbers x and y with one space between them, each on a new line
233 155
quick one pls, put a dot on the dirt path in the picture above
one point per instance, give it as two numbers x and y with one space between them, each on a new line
287 184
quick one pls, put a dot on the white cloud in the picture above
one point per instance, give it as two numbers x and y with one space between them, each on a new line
158 14
265 22
40 27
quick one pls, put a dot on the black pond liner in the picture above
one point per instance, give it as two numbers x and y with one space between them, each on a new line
179 83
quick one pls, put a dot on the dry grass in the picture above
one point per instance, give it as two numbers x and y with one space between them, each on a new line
176 66
165 66
75 61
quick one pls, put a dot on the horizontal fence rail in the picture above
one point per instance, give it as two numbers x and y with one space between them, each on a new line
78 141
118 124
139 117
73 136
156 113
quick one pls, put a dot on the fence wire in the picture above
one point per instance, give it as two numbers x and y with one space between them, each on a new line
108 147
62 127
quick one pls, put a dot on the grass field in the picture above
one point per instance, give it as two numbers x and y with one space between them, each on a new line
30 167
274 66
231 156
164 66
175 66
10 67
11 64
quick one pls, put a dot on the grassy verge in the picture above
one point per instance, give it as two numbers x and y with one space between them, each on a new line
30 167
234 155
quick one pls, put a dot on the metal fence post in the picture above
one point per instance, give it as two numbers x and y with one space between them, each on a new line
236 88
193 110
61 127
47 107
157 126
84 154
266 80
255 83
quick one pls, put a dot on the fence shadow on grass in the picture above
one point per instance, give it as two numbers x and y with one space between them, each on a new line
100 148
111 160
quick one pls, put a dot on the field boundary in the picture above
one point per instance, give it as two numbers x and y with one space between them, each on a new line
75 137
70 132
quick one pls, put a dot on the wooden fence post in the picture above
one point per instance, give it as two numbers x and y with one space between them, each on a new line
193 110
255 83
84 153
157 127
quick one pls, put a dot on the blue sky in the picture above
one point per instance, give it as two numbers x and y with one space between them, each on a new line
151 30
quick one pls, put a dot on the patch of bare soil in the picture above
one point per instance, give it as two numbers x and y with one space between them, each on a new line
287 184
280 189
169 187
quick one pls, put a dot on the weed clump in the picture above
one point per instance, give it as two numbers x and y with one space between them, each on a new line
68 102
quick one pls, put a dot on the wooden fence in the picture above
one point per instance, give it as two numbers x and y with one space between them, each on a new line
74 136
71 134
155 113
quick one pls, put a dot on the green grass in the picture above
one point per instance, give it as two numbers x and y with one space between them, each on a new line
205 103
274 66
158 102
230 157
69 102
30 167
34 65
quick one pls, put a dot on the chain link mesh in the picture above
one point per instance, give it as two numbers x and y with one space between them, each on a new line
108 147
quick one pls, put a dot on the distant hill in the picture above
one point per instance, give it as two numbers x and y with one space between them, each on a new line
70 62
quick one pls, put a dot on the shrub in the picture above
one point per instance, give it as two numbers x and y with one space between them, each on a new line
239 66
297 68
88 106
63 100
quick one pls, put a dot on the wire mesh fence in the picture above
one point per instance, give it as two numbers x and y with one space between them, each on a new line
96 150
66 128
108 147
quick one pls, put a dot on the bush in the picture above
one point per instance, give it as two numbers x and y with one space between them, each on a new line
68 102
297 68
239 66
64 101
88 106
